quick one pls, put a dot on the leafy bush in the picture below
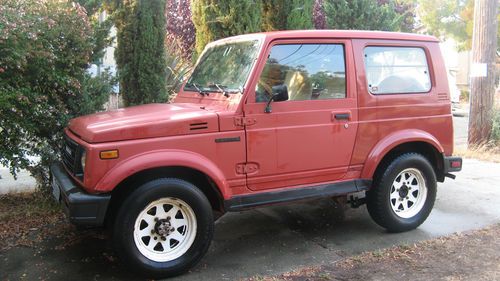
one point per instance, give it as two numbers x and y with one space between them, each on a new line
177 66
45 47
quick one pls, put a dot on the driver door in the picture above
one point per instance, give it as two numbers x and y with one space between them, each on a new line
308 138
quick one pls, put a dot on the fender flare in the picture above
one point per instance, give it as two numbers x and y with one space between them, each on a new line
163 158
392 140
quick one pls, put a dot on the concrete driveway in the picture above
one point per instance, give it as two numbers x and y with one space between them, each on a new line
277 239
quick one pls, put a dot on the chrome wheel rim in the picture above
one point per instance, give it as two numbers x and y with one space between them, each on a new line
165 229
408 193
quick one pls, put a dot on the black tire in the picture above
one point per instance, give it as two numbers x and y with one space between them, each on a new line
137 201
380 204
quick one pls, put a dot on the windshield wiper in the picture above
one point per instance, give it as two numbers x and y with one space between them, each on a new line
200 91
224 89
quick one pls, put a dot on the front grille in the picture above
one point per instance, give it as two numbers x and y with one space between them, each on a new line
71 154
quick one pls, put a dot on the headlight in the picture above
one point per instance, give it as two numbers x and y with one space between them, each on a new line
83 159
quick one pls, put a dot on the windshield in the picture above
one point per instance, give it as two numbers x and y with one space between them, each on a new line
224 67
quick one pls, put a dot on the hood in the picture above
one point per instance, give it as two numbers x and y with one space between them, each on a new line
144 121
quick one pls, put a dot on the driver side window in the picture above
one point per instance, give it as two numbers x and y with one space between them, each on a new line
309 71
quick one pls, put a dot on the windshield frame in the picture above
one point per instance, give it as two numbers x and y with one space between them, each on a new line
230 40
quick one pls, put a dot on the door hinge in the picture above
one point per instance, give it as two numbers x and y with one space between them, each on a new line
247 168
244 121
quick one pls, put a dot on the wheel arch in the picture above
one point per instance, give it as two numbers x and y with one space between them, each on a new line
194 168
404 142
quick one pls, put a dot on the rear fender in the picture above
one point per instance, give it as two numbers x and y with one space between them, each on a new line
385 145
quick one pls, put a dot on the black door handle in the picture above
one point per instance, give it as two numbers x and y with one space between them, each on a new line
342 116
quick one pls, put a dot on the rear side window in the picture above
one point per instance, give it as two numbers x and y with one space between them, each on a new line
396 70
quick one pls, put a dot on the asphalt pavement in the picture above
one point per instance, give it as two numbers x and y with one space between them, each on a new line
277 239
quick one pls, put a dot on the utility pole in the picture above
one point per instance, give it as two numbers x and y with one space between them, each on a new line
484 44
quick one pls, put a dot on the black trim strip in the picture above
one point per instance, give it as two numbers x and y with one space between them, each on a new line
198 124
239 203
235 139
198 128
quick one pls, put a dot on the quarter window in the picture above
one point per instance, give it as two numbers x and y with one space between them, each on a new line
309 71
392 70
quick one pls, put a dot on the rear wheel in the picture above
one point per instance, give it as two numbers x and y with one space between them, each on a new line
403 193
164 227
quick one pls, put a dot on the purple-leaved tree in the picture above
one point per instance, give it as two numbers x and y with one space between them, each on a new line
319 18
180 27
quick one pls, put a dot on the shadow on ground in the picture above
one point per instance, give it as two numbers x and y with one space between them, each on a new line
258 242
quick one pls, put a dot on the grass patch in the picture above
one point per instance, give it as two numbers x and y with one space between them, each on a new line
26 205
485 152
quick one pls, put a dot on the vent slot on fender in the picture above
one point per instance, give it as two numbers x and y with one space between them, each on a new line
442 96
198 126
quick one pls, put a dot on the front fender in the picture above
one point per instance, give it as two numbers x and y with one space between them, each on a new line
162 158
391 141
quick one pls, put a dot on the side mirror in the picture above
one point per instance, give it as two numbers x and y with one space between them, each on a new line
280 93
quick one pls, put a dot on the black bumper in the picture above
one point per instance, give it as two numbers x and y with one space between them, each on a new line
452 164
82 208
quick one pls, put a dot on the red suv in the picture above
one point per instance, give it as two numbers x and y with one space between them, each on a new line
264 119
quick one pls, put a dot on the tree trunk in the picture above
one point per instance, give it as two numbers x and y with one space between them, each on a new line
484 43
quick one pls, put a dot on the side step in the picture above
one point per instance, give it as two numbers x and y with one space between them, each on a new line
243 202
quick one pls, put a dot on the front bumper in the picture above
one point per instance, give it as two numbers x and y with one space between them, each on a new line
82 208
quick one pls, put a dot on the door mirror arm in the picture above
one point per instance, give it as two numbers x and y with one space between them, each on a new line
280 93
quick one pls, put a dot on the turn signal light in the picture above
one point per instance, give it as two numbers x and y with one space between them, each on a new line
109 154
456 164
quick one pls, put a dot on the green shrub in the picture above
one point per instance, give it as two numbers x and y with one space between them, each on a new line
464 96
45 48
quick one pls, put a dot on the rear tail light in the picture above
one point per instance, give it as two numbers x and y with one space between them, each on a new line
456 164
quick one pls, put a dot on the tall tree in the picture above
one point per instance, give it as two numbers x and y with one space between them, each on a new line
300 16
362 14
140 53
275 14
287 14
218 19
483 84
451 18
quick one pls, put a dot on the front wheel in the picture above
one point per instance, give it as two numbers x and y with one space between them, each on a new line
403 193
163 228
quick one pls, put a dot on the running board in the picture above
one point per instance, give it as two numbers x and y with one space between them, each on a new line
243 202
